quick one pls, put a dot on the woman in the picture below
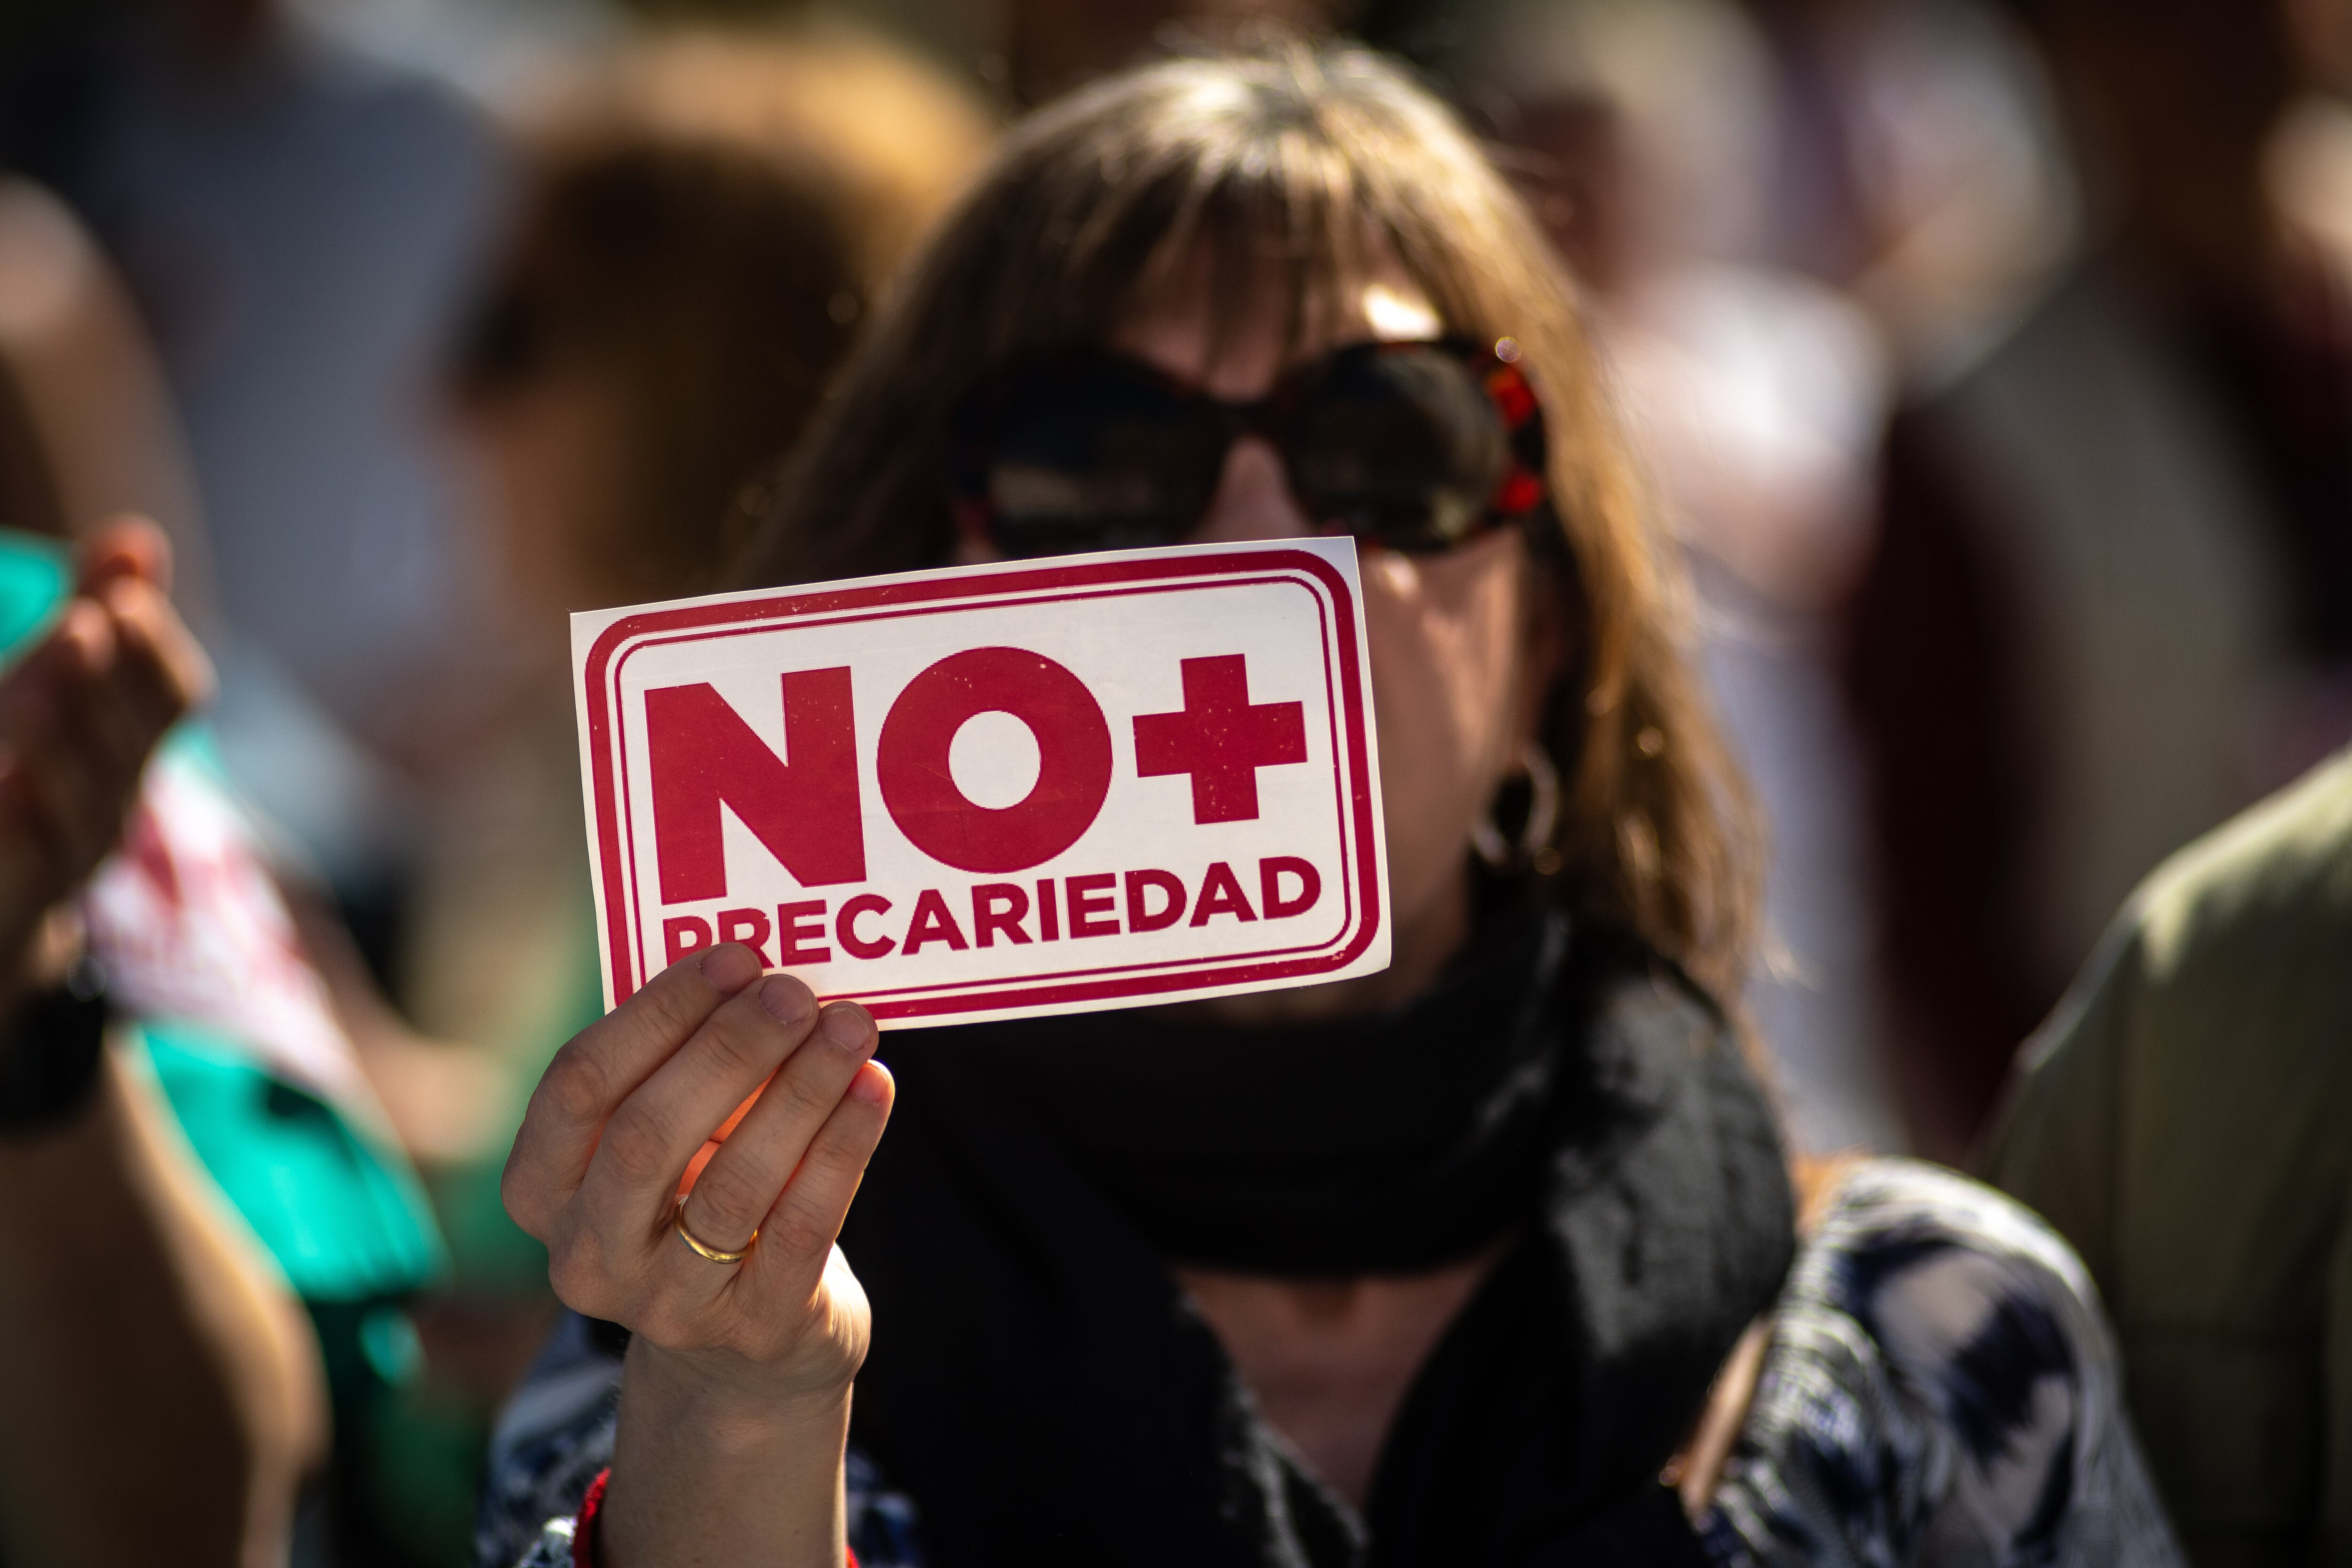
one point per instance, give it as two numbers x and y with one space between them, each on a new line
1436 1265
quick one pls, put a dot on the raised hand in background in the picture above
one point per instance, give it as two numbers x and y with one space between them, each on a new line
80 715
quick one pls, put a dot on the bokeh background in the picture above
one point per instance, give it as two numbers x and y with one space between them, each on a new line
1991 361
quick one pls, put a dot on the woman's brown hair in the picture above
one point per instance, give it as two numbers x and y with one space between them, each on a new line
1307 160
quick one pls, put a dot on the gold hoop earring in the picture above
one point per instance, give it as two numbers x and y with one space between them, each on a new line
1534 847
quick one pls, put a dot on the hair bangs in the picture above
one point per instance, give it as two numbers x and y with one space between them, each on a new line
1262 180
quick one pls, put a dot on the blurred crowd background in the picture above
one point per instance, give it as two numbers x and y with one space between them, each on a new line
1992 360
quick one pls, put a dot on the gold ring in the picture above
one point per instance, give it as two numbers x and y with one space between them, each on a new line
712 1253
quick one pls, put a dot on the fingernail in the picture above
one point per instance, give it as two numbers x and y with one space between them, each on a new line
847 1025
786 999
871 1084
730 967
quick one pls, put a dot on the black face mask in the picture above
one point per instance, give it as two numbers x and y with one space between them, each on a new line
1417 445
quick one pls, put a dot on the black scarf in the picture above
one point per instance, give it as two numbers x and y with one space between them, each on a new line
1041 1387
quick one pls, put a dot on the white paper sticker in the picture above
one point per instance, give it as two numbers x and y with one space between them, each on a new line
997 791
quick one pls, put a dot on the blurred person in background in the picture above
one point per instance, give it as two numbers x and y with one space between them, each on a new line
296 224
2182 1119
2308 164
164 1395
2112 598
1903 151
1916 162
1454 1262
1643 131
262 1053
2181 1115
706 218
158 1391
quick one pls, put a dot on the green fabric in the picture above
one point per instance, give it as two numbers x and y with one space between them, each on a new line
35 573
346 1220
2185 1120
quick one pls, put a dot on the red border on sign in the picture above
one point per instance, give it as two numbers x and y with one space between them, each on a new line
1062 581
888 996
885 994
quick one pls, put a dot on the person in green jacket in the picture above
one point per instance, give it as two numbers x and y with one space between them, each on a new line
2185 1120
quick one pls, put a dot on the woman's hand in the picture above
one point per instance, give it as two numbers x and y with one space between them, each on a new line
79 716
735 1397
626 1108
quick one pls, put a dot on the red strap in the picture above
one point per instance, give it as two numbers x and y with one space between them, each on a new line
584 1527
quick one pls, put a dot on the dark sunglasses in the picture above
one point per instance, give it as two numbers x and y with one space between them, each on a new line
1417 445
